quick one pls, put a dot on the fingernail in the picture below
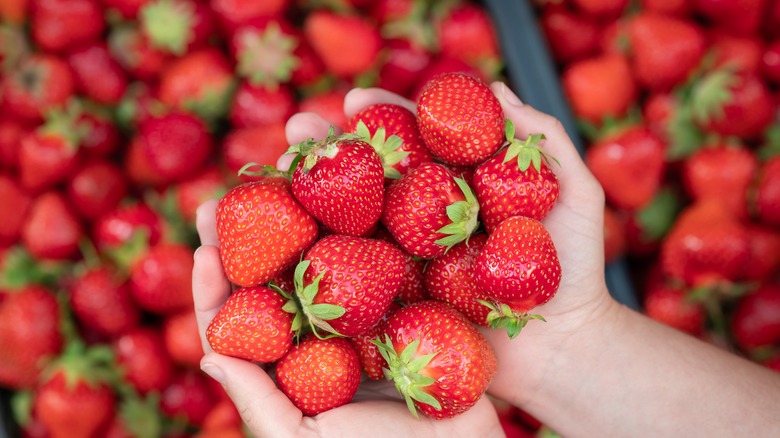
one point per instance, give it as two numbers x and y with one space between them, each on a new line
510 97
195 253
214 372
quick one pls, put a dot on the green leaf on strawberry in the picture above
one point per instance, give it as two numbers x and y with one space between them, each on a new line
389 149
527 151
463 216
710 94
502 316
317 315
169 24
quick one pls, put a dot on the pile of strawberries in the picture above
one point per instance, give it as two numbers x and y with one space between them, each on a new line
678 101
117 119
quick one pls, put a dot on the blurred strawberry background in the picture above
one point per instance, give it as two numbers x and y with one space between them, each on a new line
119 117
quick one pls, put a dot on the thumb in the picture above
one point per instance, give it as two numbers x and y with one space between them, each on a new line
265 409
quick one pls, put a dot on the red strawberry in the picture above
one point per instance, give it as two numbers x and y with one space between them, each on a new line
138 166
96 188
259 144
14 11
40 82
398 157
121 225
518 269
764 246
665 50
332 36
257 106
127 9
668 7
756 319
340 181
740 53
266 51
177 26
182 338
630 165
29 335
101 300
254 324
429 210
570 36
11 133
161 279
615 245
262 231
97 74
319 374
517 181
601 8
101 135
233 13
403 61
58 25
438 66
135 52
766 197
466 32
770 62
176 144
328 104
600 87
672 306
12 221
188 397
421 343
371 361
412 284
143 359
191 193
743 17
345 284
51 230
460 119
46 158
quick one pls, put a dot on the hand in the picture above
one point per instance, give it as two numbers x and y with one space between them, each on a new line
376 409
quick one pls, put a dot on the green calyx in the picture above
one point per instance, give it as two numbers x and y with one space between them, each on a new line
316 315
658 216
292 307
141 416
20 268
64 123
267 58
169 24
262 170
502 316
388 148
526 152
213 103
312 151
463 218
711 94
79 363
405 372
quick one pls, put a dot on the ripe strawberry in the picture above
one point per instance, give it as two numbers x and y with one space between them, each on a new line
40 82
328 104
259 144
630 166
671 306
29 335
345 284
742 17
135 52
466 32
412 287
161 279
439 66
233 13
756 319
51 231
460 119
665 50
262 231
101 300
764 247
402 63
421 343
265 51
127 9
143 359
177 26
517 181
398 157
187 397
254 324
429 210
58 25
13 195
518 269
182 338
770 62
15 11
120 226
11 133
615 245
319 374
339 181
601 8
96 188
678 8
570 36
259 106
600 87
765 200
176 144
371 361
46 157
332 36
97 74
740 53
101 136
138 166
191 193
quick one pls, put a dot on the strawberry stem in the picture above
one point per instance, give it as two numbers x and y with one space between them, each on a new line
502 316
316 315
389 149
463 216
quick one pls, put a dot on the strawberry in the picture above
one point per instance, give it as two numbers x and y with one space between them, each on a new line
770 62
765 199
518 269
97 74
460 119
135 52
740 53
665 49
101 136
29 335
517 181
11 133
333 35
630 166
764 247
339 181
615 245
420 344
143 359
182 338
671 305
412 284
600 87
176 144
58 25
742 17
645 228
679 8
15 11
177 26
755 321
253 324
233 13
256 106
371 361
319 374
450 278
51 231
327 104
191 193
120 226
262 231
127 9
466 32
40 82
101 300
345 284
402 63
570 36
96 188
429 210
259 144
161 279
440 65
12 194
266 51
187 397
46 158
138 166
380 122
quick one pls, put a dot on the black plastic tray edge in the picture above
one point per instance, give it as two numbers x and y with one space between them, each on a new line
532 72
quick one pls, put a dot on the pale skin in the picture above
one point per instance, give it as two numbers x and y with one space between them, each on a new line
595 368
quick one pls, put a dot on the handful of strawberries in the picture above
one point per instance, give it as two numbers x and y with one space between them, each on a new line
368 255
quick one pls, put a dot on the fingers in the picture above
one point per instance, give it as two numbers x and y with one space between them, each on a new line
210 288
303 126
206 222
359 98
265 410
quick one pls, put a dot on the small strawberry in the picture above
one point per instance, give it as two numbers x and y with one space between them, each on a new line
123 224
97 74
672 306
327 104
48 155
101 301
187 397
177 26
765 199
600 86
262 144
96 188
253 324
739 53
262 231
460 119
319 374
12 221
570 35
127 9
756 319
440 65
518 269
161 279
101 135
176 144
371 361
421 343
345 284
143 359
601 8
182 338
191 193
764 246
403 62
517 181
233 13
58 25
429 210
258 106
11 133
40 82
51 231
340 181
266 51
332 36
135 52
466 32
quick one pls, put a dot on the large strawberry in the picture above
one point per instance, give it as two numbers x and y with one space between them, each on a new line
31 89
600 87
262 230
672 306
177 145
429 210
460 119
58 25
97 74
253 324
340 181
333 36
188 397
515 182
345 284
182 338
756 320
518 269
421 343
144 360
101 300
161 279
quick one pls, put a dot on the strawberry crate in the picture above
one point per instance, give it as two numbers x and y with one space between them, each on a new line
531 71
